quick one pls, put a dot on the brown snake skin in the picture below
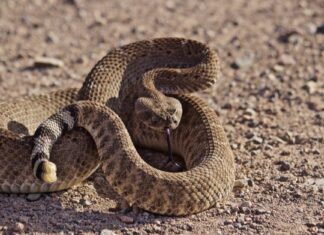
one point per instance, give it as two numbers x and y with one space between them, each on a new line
172 66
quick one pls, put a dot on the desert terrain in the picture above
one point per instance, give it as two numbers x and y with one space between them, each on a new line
270 99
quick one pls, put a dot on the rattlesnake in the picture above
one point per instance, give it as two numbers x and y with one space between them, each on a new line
131 81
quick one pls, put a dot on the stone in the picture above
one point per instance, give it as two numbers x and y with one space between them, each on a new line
284 166
41 62
244 61
260 211
107 232
51 38
170 5
283 178
126 219
310 87
246 204
85 202
19 227
278 68
240 183
320 29
311 28
289 137
33 197
227 222
286 60
257 140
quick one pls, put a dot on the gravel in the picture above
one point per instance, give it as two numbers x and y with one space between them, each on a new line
270 99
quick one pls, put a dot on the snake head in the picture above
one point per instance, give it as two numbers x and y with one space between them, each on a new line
159 114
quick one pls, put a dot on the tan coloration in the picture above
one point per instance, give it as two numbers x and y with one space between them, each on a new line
18 121
49 172
157 67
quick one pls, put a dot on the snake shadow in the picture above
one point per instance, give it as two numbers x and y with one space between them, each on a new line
68 210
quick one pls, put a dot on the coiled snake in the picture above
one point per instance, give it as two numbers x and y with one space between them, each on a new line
130 98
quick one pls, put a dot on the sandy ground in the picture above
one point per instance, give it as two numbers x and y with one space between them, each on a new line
270 100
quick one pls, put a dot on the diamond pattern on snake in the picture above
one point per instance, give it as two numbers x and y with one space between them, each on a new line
137 95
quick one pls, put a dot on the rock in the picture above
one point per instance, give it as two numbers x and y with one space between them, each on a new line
238 225
320 225
33 197
310 87
244 61
170 5
283 178
320 29
126 219
227 106
19 227
249 112
284 166
246 204
257 140
227 222
51 38
316 151
310 224
240 183
188 226
99 19
41 62
85 202
107 232
285 153
289 137
278 68
289 37
286 60
311 28
261 211
318 182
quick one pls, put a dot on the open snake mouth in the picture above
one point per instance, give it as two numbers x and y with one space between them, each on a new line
171 158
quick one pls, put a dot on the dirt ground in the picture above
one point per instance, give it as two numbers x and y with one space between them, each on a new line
270 100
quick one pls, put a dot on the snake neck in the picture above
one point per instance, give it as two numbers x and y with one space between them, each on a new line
144 88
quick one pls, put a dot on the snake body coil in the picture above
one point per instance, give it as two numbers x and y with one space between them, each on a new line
143 85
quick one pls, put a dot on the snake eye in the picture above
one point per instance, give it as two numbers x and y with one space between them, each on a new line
154 120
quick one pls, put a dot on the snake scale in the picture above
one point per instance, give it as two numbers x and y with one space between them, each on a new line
129 98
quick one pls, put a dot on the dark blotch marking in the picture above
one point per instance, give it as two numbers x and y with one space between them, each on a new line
39 170
65 127
38 156
44 131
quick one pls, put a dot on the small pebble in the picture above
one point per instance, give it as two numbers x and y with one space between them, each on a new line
287 60
311 28
126 219
240 183
310 87
41 62
244 61
107 232
85 202
261 212
284 166
320 29
283 178
229 221
246 204
33 196
19 227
